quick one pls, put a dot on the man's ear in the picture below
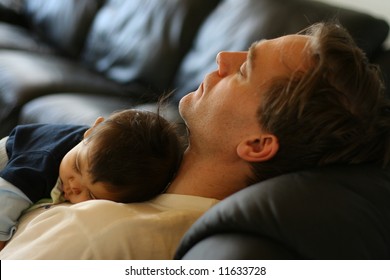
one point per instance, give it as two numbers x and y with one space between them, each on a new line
97 121
256 149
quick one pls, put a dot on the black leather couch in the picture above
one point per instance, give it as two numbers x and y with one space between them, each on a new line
69 61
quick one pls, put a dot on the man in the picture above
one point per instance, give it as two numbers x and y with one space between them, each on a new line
292 103
289 103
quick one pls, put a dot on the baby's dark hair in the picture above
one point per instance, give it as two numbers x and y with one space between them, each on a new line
136 153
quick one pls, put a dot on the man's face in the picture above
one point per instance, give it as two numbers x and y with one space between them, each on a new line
225 105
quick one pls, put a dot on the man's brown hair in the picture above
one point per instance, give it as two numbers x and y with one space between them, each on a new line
335 112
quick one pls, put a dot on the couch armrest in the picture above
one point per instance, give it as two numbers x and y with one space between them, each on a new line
337 212
235 246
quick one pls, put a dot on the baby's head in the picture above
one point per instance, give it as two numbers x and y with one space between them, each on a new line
130 157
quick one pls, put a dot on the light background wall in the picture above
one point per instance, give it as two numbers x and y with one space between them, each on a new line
378 8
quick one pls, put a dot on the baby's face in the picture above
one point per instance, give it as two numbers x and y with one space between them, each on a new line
76 179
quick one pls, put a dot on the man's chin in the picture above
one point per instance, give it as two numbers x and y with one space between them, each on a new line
183 104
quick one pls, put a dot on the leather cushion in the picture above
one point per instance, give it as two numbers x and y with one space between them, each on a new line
62 23
43 74
144 40
84 108
15 37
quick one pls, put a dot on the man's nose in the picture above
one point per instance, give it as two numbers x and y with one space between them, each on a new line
230 62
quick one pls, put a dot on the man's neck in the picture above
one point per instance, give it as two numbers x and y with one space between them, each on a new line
206 177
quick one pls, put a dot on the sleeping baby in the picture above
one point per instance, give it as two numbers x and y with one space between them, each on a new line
130 157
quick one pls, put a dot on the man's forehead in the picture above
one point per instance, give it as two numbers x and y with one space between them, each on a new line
289 48
284 41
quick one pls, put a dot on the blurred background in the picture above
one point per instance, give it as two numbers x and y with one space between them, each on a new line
379 8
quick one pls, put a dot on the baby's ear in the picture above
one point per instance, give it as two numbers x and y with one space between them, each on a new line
258 148
97 121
